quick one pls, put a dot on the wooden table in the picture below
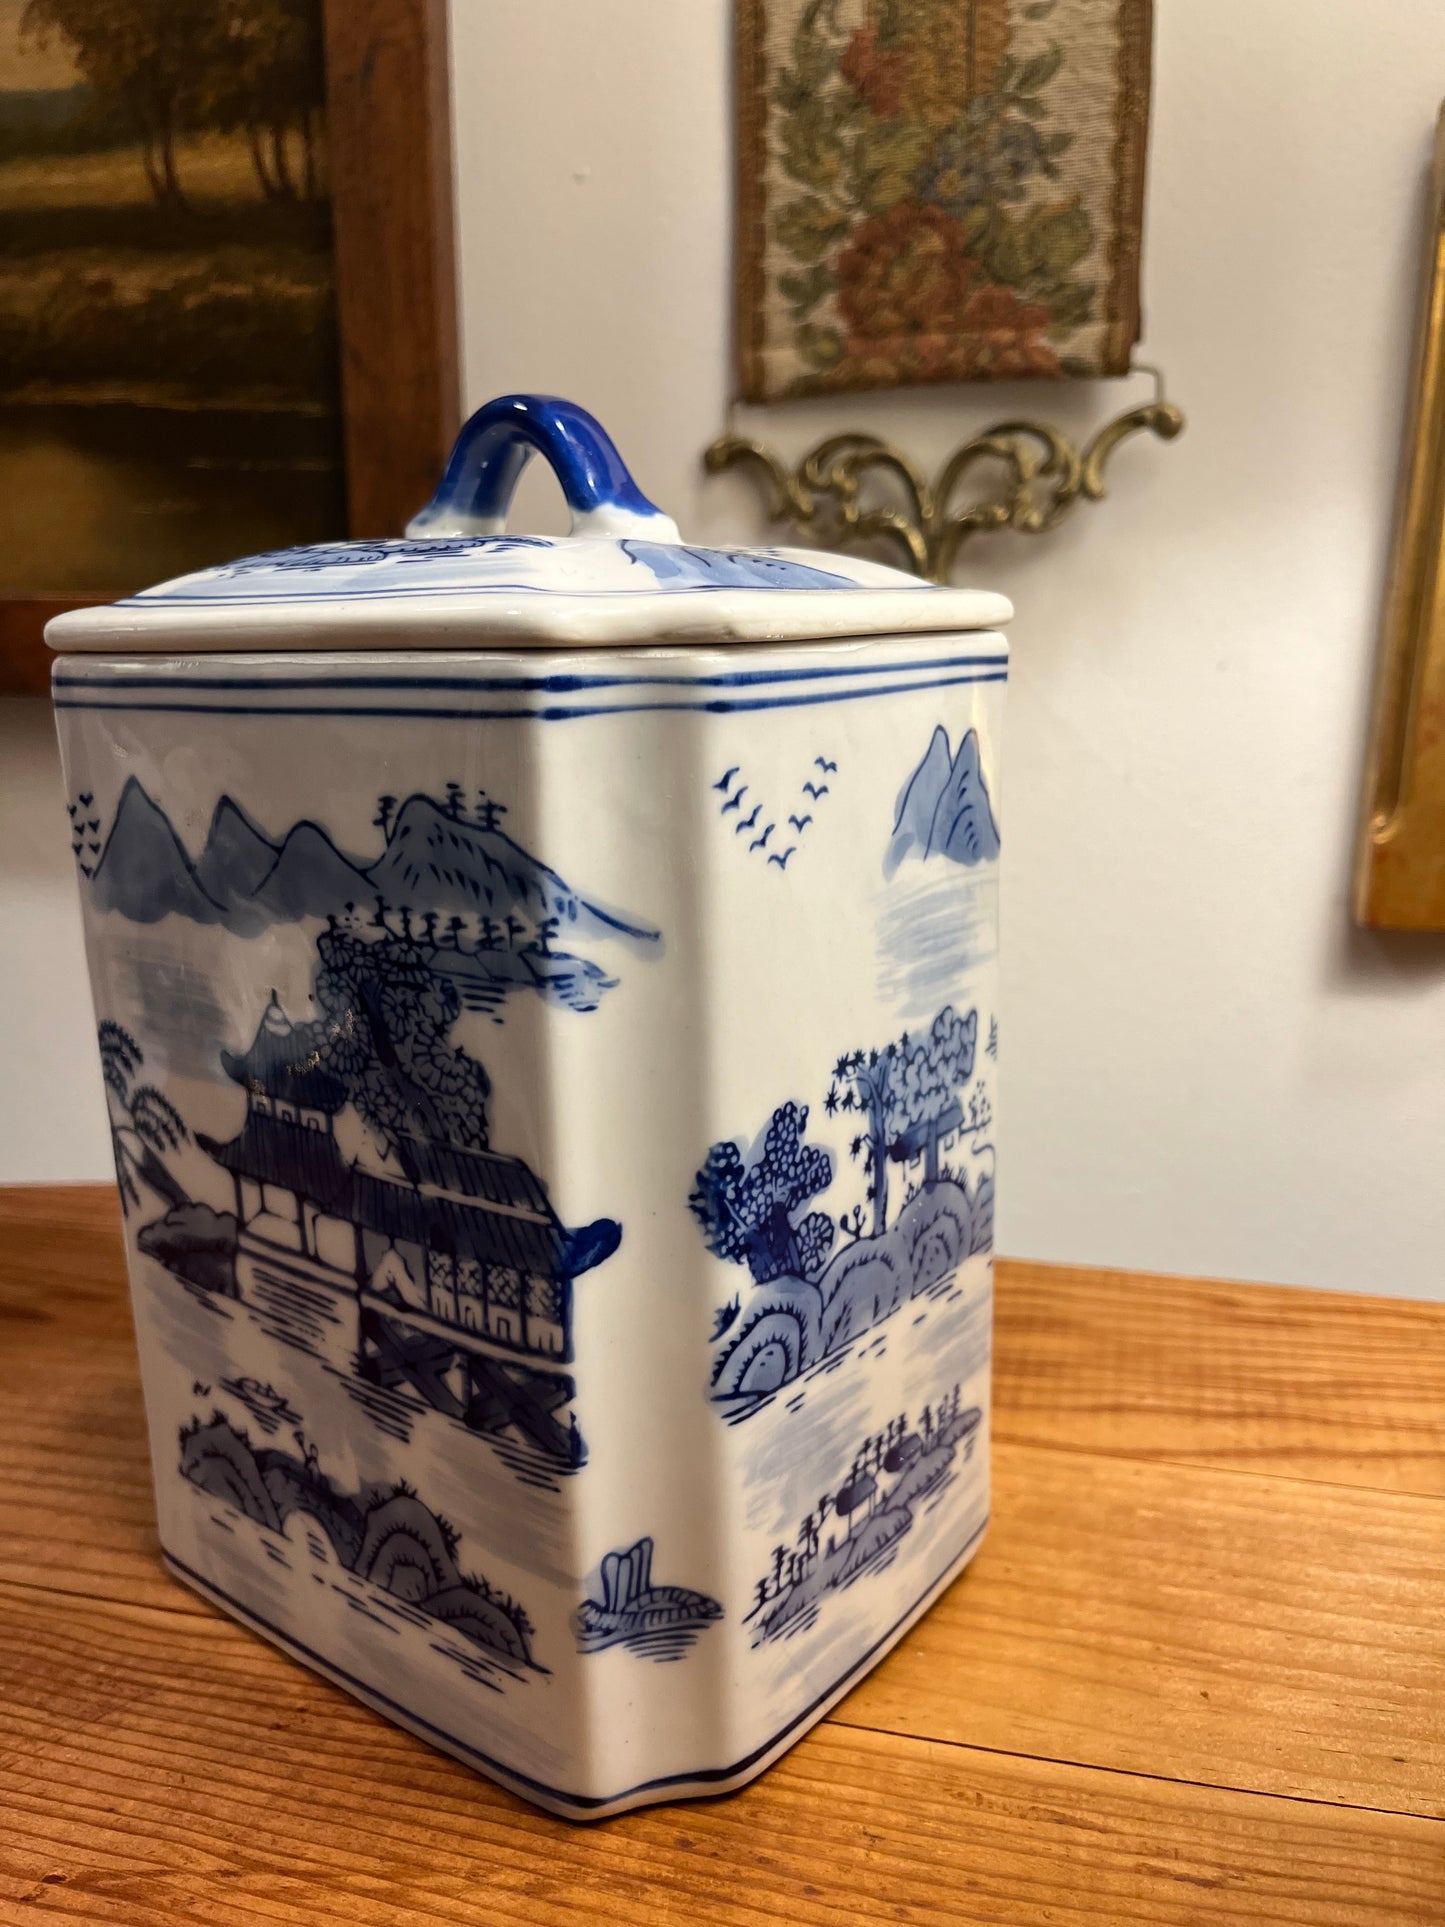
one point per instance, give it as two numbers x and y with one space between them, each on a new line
1197 1672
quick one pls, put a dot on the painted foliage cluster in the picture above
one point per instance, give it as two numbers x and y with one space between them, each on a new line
932 211
914 1108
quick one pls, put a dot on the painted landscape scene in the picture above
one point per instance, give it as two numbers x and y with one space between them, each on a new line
449 883
169 390
896 1475
920 1118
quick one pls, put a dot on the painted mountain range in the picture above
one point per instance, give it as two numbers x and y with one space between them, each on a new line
944 807
438 868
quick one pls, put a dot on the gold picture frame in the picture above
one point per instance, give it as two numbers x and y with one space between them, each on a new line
1400 871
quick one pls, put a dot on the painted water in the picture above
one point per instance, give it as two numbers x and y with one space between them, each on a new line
944 1338
293 1580
934 926
802 1442
304 1342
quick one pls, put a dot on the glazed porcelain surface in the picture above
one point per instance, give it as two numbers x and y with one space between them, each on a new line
552 1092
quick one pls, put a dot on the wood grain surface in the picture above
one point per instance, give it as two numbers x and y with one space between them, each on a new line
1196 1674
1311 1384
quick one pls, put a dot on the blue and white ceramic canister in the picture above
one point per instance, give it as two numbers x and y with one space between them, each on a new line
546 992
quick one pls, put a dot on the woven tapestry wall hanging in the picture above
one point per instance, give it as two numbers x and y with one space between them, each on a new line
938 190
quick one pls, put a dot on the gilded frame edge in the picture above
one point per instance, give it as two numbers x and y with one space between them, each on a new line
1400 861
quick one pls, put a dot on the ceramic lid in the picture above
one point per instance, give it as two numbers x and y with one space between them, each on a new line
456 580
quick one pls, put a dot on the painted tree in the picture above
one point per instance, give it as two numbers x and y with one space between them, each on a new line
454 801
749 1212
851 1222
143 1124
935 1068
899 1451
385 810
866 1083
857 1491
489 812
906 1098
386 1031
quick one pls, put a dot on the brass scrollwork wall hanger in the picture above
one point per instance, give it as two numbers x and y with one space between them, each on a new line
1032 477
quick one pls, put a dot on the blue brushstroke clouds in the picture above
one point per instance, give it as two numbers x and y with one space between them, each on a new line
944 809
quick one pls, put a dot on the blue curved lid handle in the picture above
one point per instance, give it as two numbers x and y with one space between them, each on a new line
475 493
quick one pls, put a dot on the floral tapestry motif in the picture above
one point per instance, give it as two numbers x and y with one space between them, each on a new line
938 190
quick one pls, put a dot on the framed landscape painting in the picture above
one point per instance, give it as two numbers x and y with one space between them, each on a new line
227 313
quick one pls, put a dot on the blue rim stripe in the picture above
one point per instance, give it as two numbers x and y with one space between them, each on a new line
552 685
422 592
718 706
584 1802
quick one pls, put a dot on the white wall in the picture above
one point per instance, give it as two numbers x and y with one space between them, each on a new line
1206 1069
52 1120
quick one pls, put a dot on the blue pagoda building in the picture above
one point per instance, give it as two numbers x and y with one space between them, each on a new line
459 1267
